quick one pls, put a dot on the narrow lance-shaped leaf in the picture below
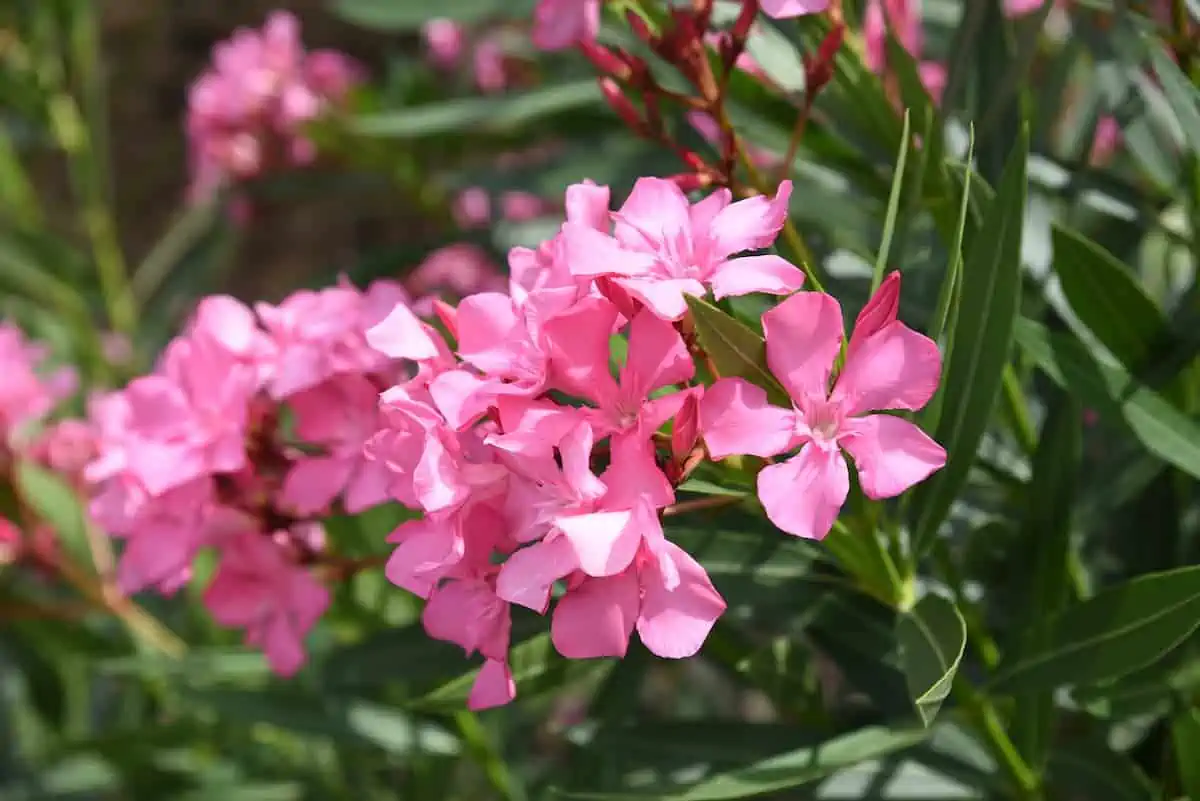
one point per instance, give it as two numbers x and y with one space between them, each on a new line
735 349
781 772
982 334
389 15
1115 632
1108 298
932 638
1046 534
1165 431
1185 733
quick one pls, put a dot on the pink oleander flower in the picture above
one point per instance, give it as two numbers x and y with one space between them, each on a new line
339 416
27 394
445 42
656 357
558 24
319 335
664 248
782 9
258 588
468 613
246 114
888 366
472 208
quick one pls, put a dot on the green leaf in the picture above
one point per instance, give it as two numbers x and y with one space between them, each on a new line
1108 298
1182 96
1185 732
781 772
1165 431
893 208
1090 769
932 638
57 504
403 15
734 348
1046 536
1115 632
479 115
982 334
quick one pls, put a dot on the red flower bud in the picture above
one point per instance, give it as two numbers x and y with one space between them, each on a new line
620 104
616 65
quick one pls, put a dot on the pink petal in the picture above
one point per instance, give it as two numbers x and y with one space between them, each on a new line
880 310
587 204
312 484
657 357
803 495
437 481
604 542
578 342
750 224
896 368
782 9
633 477
487 323
401 335
804 336
674 623
283 646
702 213
427 551
656 211
664 297
891 454
575 449
462 397
368 486
494 686
590 253
736 418
595 619
528 575
773 275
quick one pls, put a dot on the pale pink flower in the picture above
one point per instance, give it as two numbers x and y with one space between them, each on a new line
247 113
782 9
518 206
558 24
26 393
664 248
338 415
257 587
231 326
893 367
445 42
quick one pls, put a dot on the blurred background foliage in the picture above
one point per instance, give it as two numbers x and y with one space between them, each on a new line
1085 474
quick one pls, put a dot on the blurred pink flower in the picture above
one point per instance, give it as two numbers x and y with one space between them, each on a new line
247 112
558 24
26 393
473 207
488 66
461 269
445 42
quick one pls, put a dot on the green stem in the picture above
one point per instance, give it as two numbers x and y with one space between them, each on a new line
1014 404
991 726
480 746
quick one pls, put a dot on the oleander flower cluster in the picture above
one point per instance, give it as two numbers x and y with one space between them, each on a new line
243 438
544 454
28 391
247 113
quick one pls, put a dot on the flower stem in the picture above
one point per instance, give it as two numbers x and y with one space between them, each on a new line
715 502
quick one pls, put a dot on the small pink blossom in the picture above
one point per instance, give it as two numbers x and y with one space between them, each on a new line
489 67
782 9
558 24
461 269
67 447
246 114
892 368
467 613
276 601
664 248
445 42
